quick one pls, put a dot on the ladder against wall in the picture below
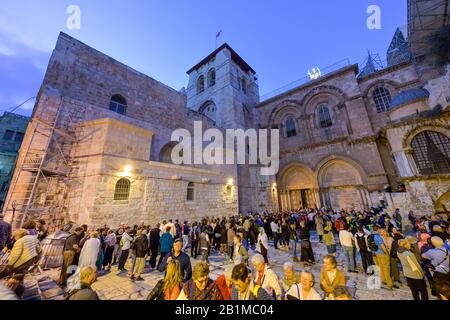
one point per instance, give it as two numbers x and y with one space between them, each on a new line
45 154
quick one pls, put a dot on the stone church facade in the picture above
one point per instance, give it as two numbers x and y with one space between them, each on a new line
97 149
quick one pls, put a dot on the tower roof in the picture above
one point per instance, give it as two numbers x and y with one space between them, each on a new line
234 56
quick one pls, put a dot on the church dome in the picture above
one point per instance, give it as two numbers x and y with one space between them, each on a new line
409 96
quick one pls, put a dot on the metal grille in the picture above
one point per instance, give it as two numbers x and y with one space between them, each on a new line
431 152
382 99
122 189
190 192
325 117
291 131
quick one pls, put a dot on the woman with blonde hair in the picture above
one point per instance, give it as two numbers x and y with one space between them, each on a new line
168 288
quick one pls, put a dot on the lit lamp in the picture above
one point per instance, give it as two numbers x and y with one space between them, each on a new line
230 182
126 171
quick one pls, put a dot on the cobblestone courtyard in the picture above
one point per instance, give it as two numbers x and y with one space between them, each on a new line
111 286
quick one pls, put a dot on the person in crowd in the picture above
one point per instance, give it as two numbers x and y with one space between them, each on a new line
328 238
230 241
42 232
240 253
71 247
166 243
263 244
168 288
276 231
331 276
293 239
204 244
307 254
291 277
442 289
24 254
125 244
110 242
141 250
382 258
185 230
341 293
154 245
201 286
30 226
285 234
88 276
439 256
412 270
5 232
90 251
363 249
266 277
304 290
318 219
224 283
347 243
181 257
194 238
244 289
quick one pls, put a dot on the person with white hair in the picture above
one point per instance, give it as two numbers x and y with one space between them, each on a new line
266 277
303 290
291 277
438 256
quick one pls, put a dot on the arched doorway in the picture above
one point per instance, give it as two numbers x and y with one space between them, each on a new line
298 188
341 186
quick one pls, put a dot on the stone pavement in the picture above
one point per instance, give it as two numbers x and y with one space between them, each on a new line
112 286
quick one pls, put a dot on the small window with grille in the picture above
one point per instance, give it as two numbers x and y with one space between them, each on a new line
431 152
190 192
200 84
324 117
382 98
122 191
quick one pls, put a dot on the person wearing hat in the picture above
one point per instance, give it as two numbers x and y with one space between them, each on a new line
182 257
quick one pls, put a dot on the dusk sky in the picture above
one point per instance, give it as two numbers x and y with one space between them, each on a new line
281 39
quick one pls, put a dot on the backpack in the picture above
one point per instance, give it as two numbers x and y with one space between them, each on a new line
361 242
371 243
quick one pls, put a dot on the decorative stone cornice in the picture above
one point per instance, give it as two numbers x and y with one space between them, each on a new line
430 177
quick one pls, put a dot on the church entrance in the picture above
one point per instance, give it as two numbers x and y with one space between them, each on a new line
297 188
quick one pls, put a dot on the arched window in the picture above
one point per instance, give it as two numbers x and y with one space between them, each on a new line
431 152
244 85
382 98
122 191
211 77
201 84
324 117
209 109
190 192
291 130
118 104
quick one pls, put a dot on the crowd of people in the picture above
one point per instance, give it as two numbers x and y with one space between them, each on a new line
372 242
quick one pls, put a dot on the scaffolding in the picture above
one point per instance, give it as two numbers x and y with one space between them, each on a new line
46 155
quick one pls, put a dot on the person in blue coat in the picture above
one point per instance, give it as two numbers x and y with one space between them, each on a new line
166 243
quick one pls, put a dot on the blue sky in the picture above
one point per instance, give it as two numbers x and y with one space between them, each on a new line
281 39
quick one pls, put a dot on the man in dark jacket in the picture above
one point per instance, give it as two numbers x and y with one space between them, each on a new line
183 259
154 245
140 247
